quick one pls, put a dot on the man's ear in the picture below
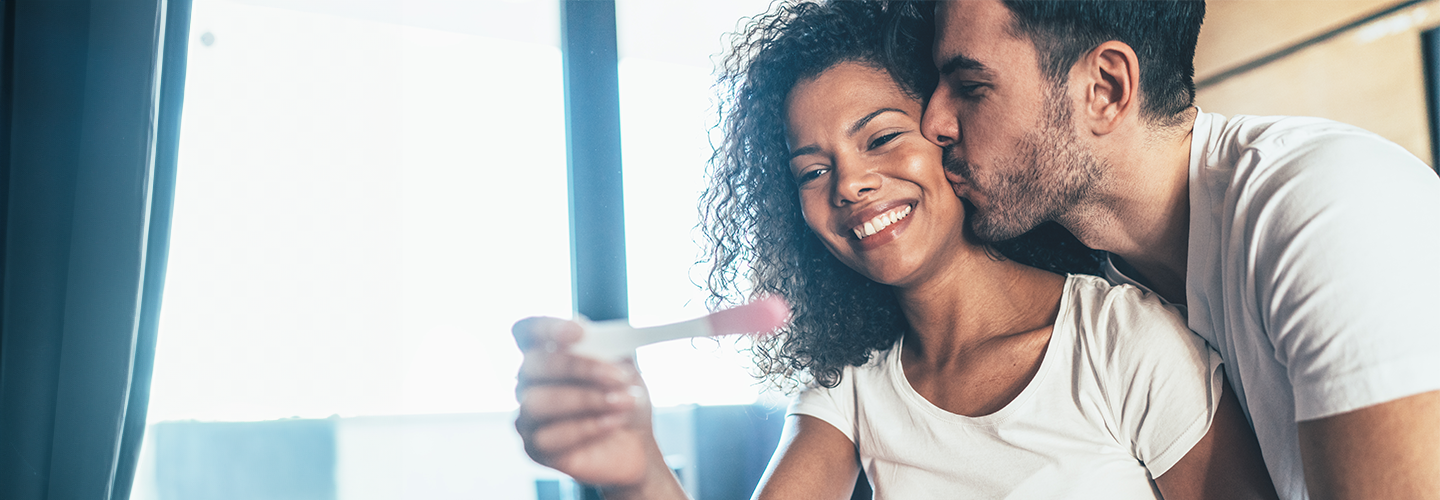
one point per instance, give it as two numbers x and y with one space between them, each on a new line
1111 77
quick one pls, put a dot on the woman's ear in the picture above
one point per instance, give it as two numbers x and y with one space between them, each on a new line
1111 77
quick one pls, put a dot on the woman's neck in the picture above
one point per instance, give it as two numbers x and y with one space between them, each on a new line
976 300
978 332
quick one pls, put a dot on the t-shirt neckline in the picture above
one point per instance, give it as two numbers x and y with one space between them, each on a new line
1062 332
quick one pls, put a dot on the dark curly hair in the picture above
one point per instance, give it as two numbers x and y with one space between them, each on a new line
757 239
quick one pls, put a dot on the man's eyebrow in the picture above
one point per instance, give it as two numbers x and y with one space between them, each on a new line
807 150
859 124
959 62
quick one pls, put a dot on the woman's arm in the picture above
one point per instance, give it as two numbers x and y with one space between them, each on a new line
1225 464
814 460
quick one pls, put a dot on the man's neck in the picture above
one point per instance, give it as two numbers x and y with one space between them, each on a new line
1140 211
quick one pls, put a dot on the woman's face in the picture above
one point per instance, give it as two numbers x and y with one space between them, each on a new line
871 186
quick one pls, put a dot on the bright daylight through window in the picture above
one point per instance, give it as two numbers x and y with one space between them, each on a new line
369 194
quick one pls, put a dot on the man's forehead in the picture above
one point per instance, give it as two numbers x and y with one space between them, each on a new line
972 30
973 20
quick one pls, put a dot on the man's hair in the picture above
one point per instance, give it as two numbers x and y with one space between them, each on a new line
1162 32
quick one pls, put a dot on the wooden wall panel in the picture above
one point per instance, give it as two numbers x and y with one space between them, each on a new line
1237 31
1371 76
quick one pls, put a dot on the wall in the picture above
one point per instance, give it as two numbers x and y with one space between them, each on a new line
1370 76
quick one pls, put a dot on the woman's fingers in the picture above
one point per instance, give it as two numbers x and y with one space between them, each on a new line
541 368
543 404
560 437
548 334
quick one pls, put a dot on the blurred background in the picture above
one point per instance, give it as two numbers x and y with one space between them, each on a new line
371 191
1361 62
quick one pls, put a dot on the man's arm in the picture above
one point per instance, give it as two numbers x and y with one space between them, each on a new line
1390 451
1344 233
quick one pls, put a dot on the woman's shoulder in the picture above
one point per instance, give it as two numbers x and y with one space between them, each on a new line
876 370
1095 298
1158 380
840 404
1123 321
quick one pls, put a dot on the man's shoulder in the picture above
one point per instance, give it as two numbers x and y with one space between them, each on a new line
1266 158
1284 140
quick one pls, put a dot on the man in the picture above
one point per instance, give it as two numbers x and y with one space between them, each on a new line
1304 249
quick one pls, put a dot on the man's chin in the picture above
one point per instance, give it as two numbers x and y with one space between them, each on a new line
992 231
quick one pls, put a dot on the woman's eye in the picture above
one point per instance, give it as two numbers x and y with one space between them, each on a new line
810 175
883 140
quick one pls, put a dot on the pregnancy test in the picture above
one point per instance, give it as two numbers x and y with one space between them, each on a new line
615 339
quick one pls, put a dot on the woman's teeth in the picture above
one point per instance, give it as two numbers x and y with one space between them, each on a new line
881 222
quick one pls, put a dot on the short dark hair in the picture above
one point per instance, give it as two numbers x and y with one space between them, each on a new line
1162 32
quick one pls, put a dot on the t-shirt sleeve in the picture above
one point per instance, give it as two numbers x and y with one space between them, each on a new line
1162 382
836 406
1346 275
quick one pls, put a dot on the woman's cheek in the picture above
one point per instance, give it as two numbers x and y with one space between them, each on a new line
807 212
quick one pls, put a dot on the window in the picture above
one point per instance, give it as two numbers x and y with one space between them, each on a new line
667 52
369 194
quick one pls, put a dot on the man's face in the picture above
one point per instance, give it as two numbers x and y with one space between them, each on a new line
1011 147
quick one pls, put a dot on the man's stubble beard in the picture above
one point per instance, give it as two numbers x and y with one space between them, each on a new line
1050 173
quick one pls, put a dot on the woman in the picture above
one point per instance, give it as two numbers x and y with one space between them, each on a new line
939 368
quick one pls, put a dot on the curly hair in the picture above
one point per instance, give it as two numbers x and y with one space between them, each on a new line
757 242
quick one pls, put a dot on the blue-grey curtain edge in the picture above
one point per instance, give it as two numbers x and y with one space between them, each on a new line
172 88
1430 53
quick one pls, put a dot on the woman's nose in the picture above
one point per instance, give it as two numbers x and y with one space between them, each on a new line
854 181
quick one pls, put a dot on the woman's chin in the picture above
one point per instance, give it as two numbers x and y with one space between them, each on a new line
891 272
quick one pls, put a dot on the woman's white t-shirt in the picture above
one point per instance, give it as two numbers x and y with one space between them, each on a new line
1123 392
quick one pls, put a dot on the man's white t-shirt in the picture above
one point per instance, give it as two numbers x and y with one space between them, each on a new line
1123 392
1314 269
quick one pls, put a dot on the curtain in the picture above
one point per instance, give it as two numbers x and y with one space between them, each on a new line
1430 51
90 95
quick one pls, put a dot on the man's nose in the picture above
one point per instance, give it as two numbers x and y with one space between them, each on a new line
939 123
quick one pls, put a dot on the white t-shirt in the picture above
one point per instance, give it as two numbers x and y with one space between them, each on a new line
1314 269
1123 392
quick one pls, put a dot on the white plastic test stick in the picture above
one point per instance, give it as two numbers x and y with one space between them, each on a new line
615 339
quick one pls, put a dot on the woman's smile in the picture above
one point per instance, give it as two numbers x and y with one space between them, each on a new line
880 224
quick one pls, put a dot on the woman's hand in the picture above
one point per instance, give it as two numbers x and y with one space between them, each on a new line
586 418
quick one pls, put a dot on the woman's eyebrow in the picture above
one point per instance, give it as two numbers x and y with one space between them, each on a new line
859 124
807 150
